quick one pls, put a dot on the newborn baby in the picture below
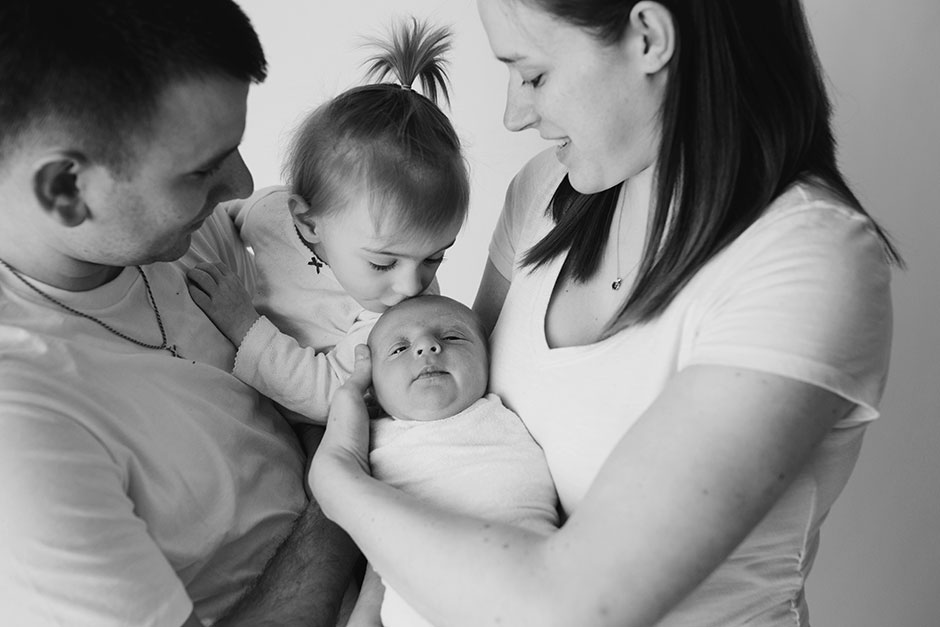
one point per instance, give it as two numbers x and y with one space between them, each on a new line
445 440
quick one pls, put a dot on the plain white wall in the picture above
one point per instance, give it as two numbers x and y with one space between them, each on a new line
879 562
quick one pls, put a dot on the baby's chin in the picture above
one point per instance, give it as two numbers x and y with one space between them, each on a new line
430 413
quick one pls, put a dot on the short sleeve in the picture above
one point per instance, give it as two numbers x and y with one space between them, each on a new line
72 550
806 296
505 236
243 211
527 200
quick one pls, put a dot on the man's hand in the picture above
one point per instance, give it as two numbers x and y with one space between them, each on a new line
221 295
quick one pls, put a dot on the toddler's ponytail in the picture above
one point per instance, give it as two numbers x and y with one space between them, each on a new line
414 52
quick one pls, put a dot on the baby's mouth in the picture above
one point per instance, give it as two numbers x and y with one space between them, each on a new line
429 372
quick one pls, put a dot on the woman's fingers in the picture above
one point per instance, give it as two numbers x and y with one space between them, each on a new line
347 433
361 377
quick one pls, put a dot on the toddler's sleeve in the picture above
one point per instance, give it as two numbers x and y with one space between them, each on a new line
297 377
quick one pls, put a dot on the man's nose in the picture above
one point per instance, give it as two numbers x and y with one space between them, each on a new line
233 181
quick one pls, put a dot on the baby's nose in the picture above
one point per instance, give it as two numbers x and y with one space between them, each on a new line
425 347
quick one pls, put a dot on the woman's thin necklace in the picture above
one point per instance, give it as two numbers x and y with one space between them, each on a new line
619 280
163 345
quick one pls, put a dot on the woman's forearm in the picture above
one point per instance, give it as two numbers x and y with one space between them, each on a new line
418 547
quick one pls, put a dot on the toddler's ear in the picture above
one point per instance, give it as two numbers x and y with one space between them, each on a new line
304 219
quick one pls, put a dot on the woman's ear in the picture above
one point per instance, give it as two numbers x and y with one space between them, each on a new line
56 189
654 24
304 219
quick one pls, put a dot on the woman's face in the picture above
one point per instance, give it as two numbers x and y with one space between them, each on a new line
592 99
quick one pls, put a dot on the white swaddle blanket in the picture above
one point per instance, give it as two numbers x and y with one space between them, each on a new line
482 462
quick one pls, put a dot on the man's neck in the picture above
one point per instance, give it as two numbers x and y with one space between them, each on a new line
71 275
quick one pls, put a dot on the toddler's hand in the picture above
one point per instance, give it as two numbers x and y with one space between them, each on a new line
221 295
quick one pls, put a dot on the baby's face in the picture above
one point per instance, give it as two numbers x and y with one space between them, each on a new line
429 359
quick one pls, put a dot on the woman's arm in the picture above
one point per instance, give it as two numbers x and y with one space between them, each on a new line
678 493
490 296
368 608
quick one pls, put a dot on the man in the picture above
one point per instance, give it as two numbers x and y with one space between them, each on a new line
141 484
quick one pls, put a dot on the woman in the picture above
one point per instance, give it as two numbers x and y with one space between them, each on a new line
694 322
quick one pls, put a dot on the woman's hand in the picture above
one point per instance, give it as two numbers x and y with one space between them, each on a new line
219 292
343 454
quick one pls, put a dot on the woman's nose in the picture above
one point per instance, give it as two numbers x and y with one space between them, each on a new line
519 114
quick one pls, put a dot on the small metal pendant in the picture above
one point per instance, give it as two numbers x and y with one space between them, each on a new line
616 284
315 262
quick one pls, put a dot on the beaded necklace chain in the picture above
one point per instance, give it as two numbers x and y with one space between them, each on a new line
163 345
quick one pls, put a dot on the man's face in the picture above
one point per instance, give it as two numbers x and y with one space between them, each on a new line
188 163
429 359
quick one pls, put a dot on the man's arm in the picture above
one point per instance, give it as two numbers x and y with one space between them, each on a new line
304 582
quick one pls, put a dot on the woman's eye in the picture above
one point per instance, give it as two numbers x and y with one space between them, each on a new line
434 261
534 82
382 268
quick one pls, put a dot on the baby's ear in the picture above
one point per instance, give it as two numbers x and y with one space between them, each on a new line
304 219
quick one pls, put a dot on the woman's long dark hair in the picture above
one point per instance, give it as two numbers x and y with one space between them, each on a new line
745 115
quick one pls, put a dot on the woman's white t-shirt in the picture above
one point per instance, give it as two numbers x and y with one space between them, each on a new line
802 293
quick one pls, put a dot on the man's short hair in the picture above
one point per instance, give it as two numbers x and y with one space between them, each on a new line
94 70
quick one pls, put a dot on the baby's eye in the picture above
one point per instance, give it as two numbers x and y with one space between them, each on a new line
398 348
452 338
382 268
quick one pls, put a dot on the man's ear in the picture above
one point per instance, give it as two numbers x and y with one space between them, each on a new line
55 186
304 219
653 23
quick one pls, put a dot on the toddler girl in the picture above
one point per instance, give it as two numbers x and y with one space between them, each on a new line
377 192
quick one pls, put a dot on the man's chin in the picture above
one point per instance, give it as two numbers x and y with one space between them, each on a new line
175 252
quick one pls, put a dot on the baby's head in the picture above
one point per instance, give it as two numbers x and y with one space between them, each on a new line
429 358
379 184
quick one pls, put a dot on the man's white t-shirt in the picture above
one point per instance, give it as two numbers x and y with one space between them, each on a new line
135 486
